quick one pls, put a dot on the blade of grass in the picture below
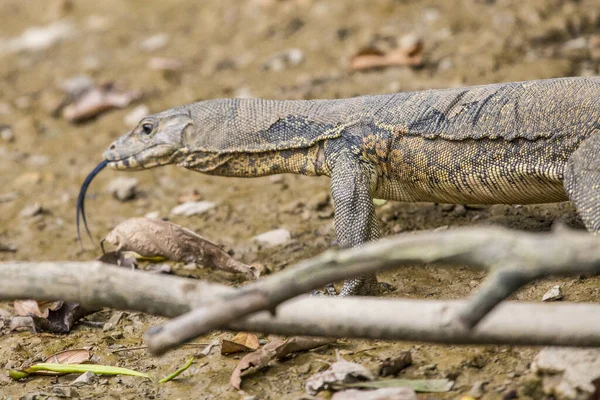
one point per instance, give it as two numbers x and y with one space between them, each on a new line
81 368
179 371
17 374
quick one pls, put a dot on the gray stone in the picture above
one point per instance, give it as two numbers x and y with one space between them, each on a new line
553 294
273 238
190 208
567 373
87 378
123 188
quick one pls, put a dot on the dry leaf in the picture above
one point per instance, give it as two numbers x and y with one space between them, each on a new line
277 348
56 317
206 351
74 356
97 100
339 372
25 308
243 341
151 237
393 365
21 322
410 53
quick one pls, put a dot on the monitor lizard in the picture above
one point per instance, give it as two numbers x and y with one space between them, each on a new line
511 143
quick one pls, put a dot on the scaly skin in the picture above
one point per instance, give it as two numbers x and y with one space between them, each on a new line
513 143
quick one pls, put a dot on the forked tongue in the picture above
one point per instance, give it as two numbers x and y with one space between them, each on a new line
81 201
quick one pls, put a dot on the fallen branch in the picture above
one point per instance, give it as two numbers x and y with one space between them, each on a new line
94 284
514 258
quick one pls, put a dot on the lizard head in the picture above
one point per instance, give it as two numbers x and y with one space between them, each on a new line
156 140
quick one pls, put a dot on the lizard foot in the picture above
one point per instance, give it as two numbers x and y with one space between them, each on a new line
384 287
328 290
356 287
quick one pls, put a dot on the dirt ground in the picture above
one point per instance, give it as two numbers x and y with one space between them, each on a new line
227 48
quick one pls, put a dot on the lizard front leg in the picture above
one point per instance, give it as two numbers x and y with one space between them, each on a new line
355 220
582 182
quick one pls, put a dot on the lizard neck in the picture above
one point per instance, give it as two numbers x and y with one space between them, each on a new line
304 161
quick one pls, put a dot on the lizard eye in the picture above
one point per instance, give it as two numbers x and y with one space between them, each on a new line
147 128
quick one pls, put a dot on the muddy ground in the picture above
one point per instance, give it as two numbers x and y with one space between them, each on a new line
226 49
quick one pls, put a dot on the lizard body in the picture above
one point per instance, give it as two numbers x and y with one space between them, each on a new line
513 143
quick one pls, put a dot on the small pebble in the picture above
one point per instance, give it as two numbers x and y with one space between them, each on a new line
190 208
155 42
31 210
190 267
87 378
553 294
153 215
243 93
133 118
459 210
276 178
478 389
164 64
6 133
123 188
77 85
5 108
280 61
273 238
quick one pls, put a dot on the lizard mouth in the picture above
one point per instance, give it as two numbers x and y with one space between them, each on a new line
154 156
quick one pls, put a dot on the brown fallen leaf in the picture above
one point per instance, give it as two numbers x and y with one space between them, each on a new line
97 100
241 342
72 356
409 53
341 371
54 317
61 319
25 308
393 365
277 348
151 237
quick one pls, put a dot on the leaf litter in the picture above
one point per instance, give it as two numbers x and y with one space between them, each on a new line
345 374
276 349
151 237
54 317
241 342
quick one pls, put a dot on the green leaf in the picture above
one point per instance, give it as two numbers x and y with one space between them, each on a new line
179 371
418 385
81 368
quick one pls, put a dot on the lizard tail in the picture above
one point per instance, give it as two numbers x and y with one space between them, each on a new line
81 200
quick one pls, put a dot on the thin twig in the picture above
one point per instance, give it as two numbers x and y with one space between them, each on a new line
516 257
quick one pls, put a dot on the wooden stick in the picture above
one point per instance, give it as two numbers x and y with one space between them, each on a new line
101 285
514 258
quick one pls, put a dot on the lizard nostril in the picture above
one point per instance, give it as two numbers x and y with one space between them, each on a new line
112 147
